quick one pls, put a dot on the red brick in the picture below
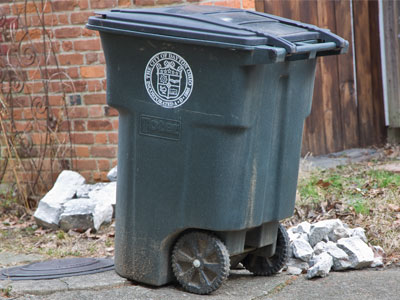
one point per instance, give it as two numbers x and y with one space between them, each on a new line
82 151
96 111
38 138
70 59
67 45
95 4
49 20
104 164
104 84
72 73
162 2
46 60
115 124
34 74
30 7
5 9
124 3
80 17
110 112
68 86
92 71
68 32
100 138
78 112
145 2
17 113
103 151
86 45
100 176
95 86
64 5
113 138
35 88
229 3
23 126
80 86
64 126
102 59
56 100
82 138
63 19
41 47
83 4
22 101
88 32
249 4
33 34
79 125
99 125
95 99
87 174
86 164
91 58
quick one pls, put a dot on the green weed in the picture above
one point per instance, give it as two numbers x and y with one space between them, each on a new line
6 292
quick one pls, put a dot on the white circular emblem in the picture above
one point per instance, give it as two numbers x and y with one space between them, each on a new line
168 79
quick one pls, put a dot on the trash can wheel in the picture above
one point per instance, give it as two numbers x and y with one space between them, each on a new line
200 262
266 266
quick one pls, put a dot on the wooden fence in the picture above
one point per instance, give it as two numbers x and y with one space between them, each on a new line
348 109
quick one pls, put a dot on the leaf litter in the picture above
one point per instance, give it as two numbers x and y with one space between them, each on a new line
361 195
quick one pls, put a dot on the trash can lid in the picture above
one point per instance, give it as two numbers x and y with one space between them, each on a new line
212 25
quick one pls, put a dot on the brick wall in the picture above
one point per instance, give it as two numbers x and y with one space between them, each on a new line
92 124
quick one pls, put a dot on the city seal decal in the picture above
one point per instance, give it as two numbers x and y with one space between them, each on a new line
168 79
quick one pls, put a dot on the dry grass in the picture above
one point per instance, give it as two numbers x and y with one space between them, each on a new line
21 235
361 195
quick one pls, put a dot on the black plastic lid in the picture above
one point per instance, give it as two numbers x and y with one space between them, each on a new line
213 25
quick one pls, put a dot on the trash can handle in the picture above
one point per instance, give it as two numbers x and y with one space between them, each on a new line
325 34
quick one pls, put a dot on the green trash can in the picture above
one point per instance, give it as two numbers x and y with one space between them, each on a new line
211 102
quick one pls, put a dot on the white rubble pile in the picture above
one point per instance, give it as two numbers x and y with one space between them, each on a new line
72 204
330 245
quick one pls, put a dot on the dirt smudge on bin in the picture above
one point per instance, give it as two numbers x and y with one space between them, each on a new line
252 193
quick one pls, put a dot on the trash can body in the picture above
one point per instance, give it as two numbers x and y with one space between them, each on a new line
209 138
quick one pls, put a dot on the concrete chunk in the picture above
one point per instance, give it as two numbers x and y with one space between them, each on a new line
296 266
359 232
84 190
321 265
303 227
51 205
339 233
112 175
78 214
360 255
302 250
106 198
320 231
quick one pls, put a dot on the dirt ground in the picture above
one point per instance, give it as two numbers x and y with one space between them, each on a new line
362 195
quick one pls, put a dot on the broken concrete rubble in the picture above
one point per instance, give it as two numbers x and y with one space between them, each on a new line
51 206
320 231
296 266
112 175
77 214
72 204
360 255
320 266
359 232
302 249
346 247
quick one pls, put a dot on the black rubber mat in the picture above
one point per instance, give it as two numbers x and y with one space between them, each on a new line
58 268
